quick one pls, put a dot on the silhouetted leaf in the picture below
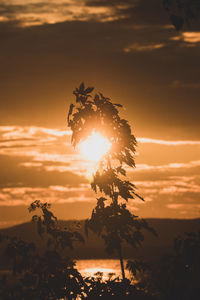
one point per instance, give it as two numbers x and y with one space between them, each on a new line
69 113
89 90
82 87
119 105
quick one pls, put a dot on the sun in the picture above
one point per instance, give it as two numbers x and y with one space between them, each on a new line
94 147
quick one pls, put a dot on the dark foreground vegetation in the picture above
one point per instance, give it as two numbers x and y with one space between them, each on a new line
152 250
51 273
43 269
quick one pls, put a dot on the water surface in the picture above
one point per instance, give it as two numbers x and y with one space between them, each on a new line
89 267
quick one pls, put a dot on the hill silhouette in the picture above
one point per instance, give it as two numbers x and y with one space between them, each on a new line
93 248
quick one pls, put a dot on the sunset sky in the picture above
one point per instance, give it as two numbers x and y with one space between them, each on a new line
129 51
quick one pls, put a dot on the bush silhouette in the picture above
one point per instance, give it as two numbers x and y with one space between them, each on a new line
178 277
50 275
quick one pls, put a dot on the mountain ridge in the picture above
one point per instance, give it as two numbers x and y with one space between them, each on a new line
93 248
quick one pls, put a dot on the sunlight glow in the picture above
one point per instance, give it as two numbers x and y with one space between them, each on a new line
95 147
93 272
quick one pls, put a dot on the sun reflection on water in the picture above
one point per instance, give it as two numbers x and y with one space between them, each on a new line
91 268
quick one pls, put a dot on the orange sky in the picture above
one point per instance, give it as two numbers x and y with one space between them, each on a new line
129 51
40 163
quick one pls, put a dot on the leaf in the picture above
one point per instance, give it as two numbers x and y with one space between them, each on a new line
89 90
119 105
100 202
138 196
34 218
137 265
121 170
70 112
96 99
93 186
81 87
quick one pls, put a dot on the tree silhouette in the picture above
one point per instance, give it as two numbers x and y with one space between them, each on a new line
50 274
111 218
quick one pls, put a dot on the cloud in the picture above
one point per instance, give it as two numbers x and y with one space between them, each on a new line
185 85
177 193
50 150
31 14
16 196
19 132
49 57
182 187
191 37
170 166
52 171
39 67
140 47
157 184
30 137
166 143
31 164
185 206
21 171
170 198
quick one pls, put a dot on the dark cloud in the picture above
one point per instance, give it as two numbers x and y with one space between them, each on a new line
42 65
111 2
185 85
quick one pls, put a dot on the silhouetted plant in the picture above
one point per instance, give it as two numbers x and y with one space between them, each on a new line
47 223
49 275
110 218
114 288
179 274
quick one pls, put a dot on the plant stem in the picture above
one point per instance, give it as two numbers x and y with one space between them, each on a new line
121 262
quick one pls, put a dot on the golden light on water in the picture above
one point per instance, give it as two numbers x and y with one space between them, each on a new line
92 272
91 267
94 147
